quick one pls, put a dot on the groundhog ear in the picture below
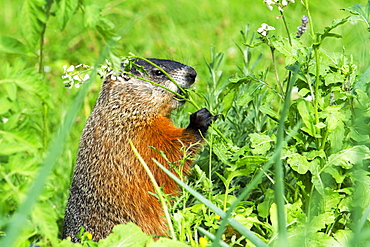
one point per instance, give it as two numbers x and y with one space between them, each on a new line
109 80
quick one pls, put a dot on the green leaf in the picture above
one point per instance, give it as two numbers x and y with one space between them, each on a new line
11 143
320 221
92 14
11 90
106 29
295 212
14 46
228 101
264 207
320 239
65 10
268 111
298 163
348 157
125 236
5 105
44 216
334 172
363 81
165 242
260 143
290 51
362 11
327 31
32 17
319 185
335 127
248 160
335 77
306 110
343 236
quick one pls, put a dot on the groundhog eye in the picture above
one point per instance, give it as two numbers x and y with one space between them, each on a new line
158 73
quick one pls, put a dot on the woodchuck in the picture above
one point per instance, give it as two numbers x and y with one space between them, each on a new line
109 184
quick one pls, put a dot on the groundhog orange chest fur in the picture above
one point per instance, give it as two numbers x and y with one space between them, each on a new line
109 184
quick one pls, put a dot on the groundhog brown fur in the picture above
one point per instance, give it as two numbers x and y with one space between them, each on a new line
109 184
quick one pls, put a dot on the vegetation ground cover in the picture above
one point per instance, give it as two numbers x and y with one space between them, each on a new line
286 161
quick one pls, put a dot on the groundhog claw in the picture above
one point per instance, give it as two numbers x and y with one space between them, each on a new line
201 120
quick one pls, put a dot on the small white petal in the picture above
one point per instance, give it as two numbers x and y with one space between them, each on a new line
86 77
77 78
71 68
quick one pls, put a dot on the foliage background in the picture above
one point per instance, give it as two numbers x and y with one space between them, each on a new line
34 104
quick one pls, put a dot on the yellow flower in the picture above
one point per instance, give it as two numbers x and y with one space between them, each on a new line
217 217
69 238
89 236
202 242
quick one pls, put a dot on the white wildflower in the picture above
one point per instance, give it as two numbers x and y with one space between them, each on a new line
77 78
66 76
269 3
86 77
264 29
71 68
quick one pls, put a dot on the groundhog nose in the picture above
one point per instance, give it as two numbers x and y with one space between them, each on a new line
191 74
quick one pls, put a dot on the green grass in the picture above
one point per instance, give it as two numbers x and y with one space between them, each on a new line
275 169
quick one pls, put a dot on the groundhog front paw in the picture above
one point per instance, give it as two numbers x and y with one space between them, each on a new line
200 120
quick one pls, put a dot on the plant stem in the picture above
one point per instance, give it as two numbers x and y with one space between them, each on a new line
310 20
315 47
42 36
286 27
275 70
44 126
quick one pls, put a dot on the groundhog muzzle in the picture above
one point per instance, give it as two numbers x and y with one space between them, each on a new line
109 184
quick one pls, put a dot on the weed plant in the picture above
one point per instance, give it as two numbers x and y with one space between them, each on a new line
286 162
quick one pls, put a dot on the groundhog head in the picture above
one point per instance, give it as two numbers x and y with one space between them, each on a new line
184 76
133 95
